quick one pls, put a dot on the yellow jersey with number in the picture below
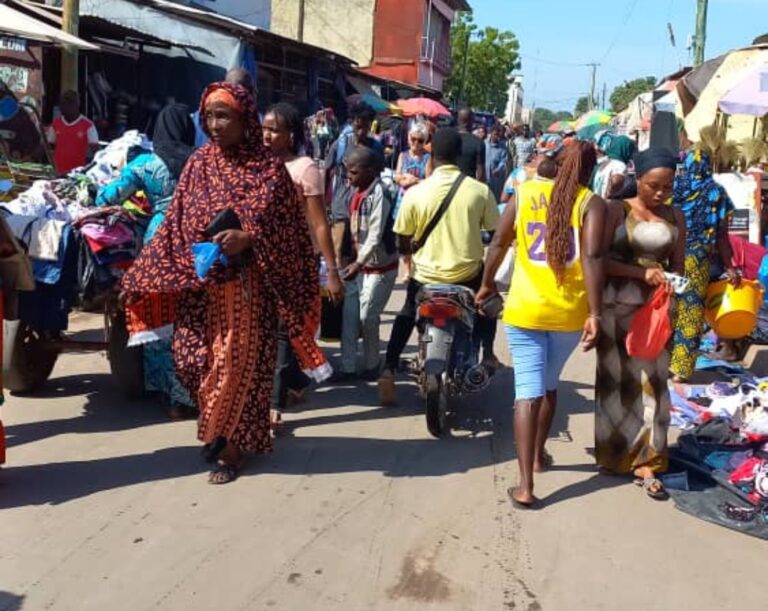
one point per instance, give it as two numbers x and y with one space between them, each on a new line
536 300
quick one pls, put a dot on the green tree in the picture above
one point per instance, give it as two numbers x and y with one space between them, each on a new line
582 106
624 94
491 56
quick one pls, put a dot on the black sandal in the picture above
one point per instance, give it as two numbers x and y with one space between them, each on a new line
223 474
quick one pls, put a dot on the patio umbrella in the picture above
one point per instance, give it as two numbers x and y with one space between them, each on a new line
750 96
594 117
379 105
423 106
589 132
559 127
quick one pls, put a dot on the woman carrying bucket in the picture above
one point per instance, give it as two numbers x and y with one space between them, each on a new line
707 209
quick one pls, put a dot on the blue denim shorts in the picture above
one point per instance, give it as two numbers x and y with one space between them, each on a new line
539 358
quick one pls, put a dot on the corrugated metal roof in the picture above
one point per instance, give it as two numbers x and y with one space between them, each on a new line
235 26
18 24
222 23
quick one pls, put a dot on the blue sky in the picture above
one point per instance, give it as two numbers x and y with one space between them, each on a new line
628 37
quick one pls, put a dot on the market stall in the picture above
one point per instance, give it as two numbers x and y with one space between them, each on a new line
76 254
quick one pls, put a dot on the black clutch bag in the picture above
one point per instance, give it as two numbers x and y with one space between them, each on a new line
226 220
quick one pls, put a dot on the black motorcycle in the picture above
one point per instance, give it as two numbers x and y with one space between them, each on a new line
448 362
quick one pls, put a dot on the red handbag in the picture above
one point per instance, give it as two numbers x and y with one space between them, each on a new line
651 328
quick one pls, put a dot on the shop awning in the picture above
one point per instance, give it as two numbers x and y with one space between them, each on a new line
362 86
18 24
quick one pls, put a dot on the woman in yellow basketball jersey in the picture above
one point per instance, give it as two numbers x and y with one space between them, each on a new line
555 298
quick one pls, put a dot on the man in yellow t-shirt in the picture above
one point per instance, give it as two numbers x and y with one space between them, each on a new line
452 254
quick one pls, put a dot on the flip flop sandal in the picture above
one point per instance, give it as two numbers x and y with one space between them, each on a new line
532 506
223 474
659 494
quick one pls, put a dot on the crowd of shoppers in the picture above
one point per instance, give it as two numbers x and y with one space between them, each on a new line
595 227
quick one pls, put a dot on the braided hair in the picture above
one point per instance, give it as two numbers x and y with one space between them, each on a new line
576 164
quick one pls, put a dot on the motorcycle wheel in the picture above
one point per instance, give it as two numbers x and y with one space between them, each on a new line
437 406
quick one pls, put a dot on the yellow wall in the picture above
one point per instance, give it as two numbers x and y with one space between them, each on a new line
342 26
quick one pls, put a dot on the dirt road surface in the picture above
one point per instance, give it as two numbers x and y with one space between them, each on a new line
104 505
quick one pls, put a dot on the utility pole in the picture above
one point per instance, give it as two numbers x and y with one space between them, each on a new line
300 29
605 94
700 40
591 101
70 23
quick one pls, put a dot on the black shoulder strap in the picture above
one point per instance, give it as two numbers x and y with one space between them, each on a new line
418 244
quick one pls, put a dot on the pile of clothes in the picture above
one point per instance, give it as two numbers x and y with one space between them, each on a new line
109 161
61 200
76 249
742 402
751 476
723 451
110 240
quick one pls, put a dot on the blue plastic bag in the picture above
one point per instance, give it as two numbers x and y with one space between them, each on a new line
206 255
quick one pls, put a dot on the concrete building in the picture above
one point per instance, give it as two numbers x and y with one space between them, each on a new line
400 40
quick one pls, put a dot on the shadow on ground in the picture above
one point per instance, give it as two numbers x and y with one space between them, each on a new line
10 601
105 409
482 436
59 482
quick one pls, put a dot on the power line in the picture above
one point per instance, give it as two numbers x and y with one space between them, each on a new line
573 96
569 99
620 30
551 62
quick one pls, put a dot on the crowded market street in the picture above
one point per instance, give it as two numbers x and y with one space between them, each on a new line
357 508
383 305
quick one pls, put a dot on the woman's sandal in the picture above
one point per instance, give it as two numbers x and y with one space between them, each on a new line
653 488
223 474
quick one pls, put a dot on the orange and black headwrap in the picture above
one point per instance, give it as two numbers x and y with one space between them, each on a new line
241 100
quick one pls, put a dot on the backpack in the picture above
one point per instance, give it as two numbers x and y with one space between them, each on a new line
389 239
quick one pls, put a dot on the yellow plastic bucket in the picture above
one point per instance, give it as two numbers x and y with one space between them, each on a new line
732 312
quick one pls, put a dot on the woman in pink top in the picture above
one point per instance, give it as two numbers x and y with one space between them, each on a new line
284 135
